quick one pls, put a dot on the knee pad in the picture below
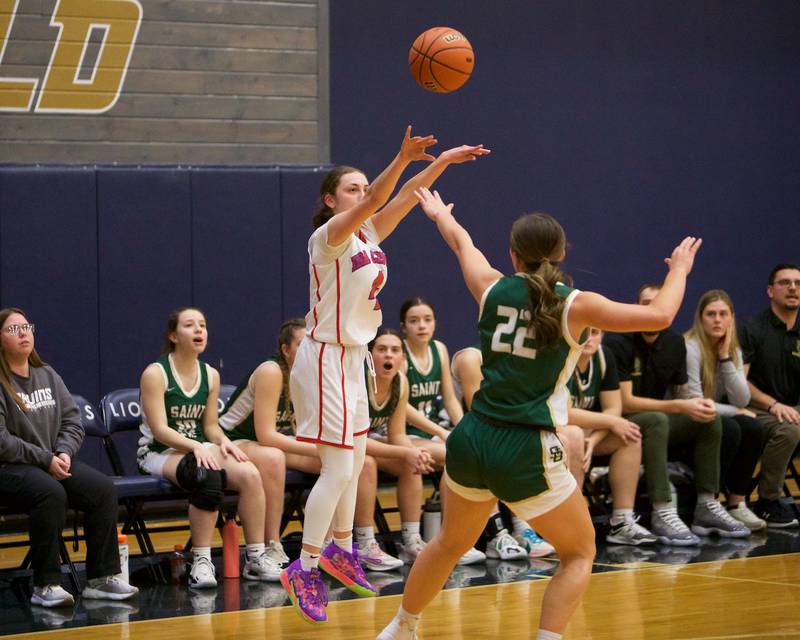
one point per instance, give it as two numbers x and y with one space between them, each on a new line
206 487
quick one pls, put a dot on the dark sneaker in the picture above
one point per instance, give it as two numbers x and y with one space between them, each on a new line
307 591
711 517
776 514
52 595
630 532
344 566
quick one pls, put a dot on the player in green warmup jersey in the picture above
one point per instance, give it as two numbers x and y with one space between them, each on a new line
182 442
531 328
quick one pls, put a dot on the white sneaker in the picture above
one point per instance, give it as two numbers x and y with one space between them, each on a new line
261 568
275 552
536 546
52 595
473 556
504 547
667 526
202 574
412 548
747 517
109 588
711 517
376 559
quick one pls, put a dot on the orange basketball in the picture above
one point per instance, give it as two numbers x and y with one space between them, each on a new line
441 59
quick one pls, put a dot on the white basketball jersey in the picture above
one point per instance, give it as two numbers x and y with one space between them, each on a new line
344 286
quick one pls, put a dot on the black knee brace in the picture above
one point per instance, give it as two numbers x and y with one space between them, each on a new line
206 486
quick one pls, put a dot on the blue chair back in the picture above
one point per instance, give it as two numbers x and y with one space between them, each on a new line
122 415
93 450
225 393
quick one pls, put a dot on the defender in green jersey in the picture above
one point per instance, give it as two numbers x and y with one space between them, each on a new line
531 326
182 442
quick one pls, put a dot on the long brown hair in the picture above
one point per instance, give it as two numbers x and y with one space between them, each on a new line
709 367
285 337
328 188
539 242
168 345
394 393
5 371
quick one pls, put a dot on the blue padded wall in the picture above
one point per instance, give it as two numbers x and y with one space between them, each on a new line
299 189
145 235
48 248
236 264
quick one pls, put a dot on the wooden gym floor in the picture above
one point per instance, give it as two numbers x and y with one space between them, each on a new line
734 589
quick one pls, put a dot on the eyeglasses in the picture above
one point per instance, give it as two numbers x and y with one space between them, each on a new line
786 282
14 329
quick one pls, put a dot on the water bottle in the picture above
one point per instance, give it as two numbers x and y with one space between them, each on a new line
431 517
230 549
122 543
177 564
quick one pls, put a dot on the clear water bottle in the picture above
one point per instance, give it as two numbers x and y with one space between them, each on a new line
431 517
122 543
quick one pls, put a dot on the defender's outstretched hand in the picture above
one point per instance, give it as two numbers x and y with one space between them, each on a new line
464 153
414 147
432 204
683 255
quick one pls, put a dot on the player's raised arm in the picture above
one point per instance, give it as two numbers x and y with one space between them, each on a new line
478 273
592 309
348 221
387 219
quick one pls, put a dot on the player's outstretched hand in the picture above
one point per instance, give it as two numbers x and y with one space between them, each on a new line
683 255
464 153
414 147
432 204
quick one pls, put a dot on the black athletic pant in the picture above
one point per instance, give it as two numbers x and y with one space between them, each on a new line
742 442
45 499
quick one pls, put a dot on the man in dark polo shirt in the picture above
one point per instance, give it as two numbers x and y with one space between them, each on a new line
653 383
771 349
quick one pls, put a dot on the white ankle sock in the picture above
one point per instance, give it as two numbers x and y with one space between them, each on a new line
364 535
621 515
409 529
308 560
543 634
202 552
705 498
411 620
345 544
255 550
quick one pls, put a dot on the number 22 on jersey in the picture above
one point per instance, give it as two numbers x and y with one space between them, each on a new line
521 335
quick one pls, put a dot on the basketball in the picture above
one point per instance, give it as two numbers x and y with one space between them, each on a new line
441 59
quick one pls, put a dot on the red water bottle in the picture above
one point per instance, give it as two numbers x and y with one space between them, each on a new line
230 549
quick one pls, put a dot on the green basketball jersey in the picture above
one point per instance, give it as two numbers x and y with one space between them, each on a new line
237 416
585 387
380 414
184 410
522 384
424 387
